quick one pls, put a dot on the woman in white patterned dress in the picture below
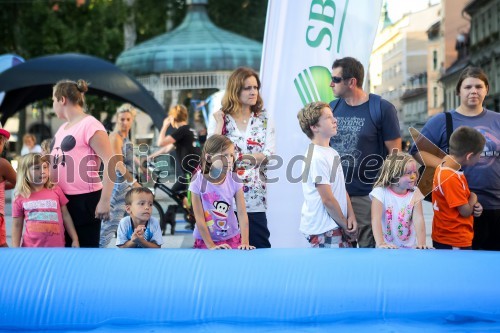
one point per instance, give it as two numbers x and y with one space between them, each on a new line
244 121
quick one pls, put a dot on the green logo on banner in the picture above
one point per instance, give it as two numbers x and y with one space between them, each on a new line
313 85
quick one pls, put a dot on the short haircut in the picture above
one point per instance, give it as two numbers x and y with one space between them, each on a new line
179 113
474 72
465 140
138 190
309 116
351 68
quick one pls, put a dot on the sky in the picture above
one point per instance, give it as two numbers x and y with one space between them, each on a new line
397 8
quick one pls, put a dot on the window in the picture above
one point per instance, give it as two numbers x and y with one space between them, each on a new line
435 90
435 60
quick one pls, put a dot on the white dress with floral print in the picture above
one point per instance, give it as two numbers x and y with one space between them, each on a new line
258 138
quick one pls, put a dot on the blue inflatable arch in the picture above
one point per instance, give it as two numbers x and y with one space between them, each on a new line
273 289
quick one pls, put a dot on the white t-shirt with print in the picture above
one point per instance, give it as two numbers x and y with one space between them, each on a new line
397 223
324 168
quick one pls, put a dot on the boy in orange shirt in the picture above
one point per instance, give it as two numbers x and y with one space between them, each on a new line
454 204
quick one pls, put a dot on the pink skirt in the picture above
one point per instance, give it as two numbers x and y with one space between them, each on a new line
234 242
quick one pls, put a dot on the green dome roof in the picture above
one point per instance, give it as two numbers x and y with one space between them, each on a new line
197 45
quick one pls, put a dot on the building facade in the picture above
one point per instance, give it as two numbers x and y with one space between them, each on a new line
485 44
400 52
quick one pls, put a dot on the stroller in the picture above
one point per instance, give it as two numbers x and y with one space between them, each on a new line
181 204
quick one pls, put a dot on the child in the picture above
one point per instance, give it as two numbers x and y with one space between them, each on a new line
40 206
397 215
327 216
45 145
213 189
454 204
139 229
7 182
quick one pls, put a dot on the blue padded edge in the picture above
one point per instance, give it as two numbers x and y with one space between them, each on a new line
84 289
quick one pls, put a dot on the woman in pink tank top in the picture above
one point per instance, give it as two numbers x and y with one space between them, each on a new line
76 153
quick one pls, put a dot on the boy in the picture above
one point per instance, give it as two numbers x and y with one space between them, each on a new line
139 229
327 218
454 204
7 182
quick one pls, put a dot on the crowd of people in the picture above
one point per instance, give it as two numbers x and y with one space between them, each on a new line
60 199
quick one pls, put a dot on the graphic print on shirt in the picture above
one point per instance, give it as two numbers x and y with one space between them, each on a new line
218 215
491 148
220 211
67 144
403 228
42 216
346 142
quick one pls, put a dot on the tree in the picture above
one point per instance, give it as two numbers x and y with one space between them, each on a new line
39 27
244 17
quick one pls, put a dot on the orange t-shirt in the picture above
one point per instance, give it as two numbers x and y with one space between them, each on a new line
451 191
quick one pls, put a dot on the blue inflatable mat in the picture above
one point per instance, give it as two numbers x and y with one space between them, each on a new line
267 290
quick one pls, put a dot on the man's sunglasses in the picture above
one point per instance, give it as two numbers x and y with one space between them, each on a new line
338 79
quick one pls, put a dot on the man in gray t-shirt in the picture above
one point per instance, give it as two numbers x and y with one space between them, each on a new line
363 139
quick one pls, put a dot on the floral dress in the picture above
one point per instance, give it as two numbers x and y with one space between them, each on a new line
258 138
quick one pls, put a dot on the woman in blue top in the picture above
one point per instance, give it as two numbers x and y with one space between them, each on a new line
484 177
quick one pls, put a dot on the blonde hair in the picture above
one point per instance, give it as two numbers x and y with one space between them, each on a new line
309 116
29 136
179 113
72 91
23 187
215 144
127 107
45 145
231 101
393 169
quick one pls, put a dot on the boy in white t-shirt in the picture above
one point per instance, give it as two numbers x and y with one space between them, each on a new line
327 218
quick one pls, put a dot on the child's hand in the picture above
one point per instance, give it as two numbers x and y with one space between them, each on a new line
246 247
478 210
138 232
221 247
386 246
352 228
424 247
75 243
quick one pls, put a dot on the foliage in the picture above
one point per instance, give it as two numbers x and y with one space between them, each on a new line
244 17
39 27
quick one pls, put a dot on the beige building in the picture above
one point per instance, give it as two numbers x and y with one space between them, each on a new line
451 28
399 53
485 44
414 105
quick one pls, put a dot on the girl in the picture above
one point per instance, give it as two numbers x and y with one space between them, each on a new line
213 189
397 215
41 205
7 182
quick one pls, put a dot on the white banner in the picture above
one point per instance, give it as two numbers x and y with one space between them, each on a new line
302 39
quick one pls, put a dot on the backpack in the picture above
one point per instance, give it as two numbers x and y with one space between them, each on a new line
374 105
